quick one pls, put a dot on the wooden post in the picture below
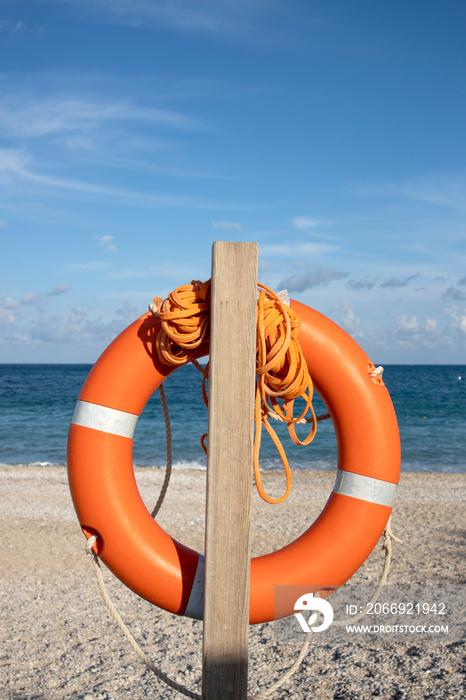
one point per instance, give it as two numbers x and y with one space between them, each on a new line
229 464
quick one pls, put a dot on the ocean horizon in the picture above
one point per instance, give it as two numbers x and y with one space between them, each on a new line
37 403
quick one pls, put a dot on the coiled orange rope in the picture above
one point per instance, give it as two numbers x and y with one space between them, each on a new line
185 318
282 373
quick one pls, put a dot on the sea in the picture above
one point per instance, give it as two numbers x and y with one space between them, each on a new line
37 403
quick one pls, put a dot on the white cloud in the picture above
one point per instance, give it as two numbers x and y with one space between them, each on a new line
30 323
178 14
409 331
39 298
443 190
90 266
232 225
458 318
234 19
8 310
77 315
295 250
105 242
3 224
59 289
128 312
349 320
32 118
32 298
169 270
13 160
12 28
77 327
306 223
404 323
128 274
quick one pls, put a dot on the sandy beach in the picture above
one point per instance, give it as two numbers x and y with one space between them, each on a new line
58 640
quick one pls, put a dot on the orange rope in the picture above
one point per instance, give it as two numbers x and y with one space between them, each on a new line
282 373
185 318
185 324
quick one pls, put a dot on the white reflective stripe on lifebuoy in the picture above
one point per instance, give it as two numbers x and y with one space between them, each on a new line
195 606
366 488
108 420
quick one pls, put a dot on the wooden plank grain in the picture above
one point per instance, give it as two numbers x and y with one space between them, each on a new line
229 465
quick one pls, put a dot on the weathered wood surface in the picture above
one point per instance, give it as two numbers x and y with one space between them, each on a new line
229 463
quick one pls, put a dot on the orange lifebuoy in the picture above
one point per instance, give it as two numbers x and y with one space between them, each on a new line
167 573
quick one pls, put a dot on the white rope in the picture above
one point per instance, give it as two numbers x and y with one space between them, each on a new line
377 372
287 675
301 421
116 616
155 669
134 645
387 546
388 536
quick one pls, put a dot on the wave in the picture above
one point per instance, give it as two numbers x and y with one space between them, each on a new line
61 465
268 465
183 464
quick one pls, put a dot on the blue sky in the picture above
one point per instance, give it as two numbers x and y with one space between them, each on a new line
134 133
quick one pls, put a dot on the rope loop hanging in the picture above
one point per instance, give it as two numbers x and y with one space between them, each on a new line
282 372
